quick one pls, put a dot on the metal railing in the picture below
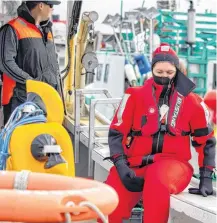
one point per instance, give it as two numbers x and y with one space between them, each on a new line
91 129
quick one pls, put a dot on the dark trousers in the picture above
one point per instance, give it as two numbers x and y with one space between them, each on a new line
9 108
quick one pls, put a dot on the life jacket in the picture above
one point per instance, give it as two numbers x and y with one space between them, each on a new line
7 89
28 31
146 120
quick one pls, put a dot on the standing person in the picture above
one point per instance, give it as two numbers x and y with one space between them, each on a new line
27 51
149 141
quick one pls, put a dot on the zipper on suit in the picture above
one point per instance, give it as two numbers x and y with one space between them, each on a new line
158 138
160 135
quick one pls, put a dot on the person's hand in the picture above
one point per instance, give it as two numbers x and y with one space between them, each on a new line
128 176
205 186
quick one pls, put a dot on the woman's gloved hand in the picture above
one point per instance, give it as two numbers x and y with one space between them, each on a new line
127 175
205 186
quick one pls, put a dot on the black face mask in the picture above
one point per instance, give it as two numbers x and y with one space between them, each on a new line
162 80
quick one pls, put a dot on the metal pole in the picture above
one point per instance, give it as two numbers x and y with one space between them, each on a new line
151 39
141 24
134 36
118 42
91 139
77 125
128 41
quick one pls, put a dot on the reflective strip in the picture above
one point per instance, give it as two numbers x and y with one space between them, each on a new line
176 110
121 108
206 112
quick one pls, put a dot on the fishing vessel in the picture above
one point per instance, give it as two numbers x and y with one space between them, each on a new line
98 62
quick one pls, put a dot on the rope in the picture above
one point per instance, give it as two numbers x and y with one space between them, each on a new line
21 180
88 204
26 113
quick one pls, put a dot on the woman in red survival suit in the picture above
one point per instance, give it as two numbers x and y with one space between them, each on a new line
149 140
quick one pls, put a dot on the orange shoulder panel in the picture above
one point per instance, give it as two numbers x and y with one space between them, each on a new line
25 29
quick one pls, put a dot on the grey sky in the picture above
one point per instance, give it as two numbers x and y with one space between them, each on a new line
104 7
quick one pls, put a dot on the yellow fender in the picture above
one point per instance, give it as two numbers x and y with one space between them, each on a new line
20 146
20 149
51 99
